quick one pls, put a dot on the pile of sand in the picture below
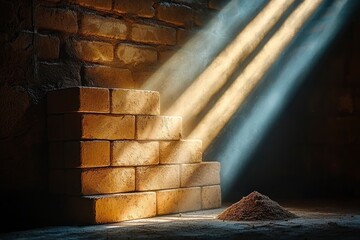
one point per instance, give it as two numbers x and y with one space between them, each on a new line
255 206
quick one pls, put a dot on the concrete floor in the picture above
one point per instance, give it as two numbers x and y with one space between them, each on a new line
317 220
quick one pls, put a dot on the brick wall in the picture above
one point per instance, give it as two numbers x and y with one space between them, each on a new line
50 44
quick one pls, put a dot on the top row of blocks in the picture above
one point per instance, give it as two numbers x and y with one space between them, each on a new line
103 100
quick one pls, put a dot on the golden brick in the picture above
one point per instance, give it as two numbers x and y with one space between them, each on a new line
136 56
100 180
99 126
183 151
157 177
83 154
210 197
134 153
158 127
111 208
178 200
200 174
78 99
103 27
137 102
92 51
153 34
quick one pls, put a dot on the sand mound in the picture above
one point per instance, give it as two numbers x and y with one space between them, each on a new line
255 206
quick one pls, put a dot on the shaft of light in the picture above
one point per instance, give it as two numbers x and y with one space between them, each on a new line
230 101
224 65
247 134
173 77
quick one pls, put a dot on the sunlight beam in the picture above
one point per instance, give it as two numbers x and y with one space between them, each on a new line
210 126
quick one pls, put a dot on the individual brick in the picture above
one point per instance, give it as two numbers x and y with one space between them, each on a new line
109 77
158 127
183 151
134 153
111 208
98 126
99 180
210 197
47 47
56 19
95 4
178 200
94 25
157 177
153 34
142 8
85 154
200 174
57 184
136 102
55 127
78 99
174 13
56 155
135 55
92 51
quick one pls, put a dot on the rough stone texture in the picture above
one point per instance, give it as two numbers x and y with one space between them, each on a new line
157 177
56 19
103 27
78 99
95 4
153 34
135 55
210 197
134 153
110 208
47 47
135 102
92 51
178 200
142 8
99 180
200 174
158 127
183 151
85 154
176 14
109 77
91 126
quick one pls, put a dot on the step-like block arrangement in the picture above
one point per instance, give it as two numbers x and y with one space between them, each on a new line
114 158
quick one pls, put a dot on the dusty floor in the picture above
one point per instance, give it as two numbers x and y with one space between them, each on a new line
316 221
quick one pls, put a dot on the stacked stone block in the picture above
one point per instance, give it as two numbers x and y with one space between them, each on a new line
113 157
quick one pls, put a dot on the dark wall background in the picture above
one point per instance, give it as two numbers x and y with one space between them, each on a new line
313 148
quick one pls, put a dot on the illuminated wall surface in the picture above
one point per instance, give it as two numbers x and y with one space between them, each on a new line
247 77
